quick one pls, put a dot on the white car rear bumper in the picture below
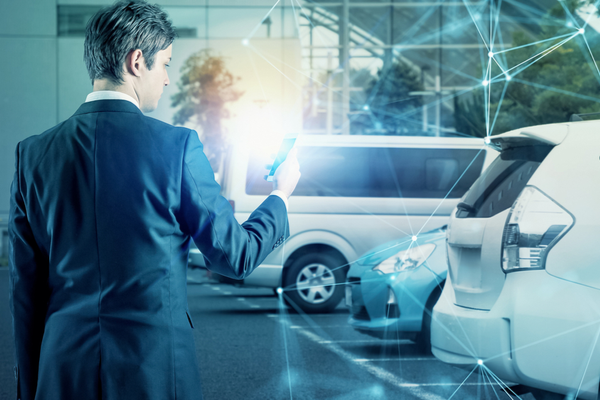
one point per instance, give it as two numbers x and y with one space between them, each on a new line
542 332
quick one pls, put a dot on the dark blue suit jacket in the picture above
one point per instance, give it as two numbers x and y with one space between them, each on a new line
103 208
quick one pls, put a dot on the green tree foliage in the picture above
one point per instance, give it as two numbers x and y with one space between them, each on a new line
392 110
563 83
205 86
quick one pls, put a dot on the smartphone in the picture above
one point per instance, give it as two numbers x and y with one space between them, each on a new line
284 149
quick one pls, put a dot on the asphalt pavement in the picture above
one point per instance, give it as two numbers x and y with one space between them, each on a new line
251 346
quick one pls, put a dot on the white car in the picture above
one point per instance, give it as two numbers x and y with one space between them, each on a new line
522 296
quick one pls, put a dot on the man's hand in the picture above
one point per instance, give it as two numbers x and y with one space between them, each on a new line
287 175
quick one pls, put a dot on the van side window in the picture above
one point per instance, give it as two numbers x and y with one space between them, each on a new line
377 172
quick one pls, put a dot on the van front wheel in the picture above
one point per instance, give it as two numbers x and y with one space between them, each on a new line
314 283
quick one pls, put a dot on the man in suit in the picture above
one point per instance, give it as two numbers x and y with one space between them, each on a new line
103 209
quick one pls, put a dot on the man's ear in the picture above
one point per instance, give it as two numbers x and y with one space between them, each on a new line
135 62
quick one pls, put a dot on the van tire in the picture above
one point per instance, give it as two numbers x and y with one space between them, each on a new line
325 298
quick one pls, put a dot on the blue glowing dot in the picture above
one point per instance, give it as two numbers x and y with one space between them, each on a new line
485 83
245 42
581 31
366 107
508 77
414 238
279 290
480 362
569 24
491 54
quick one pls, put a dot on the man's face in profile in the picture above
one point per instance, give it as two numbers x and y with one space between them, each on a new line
154 80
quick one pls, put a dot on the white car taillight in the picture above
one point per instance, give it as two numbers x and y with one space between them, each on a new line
535 224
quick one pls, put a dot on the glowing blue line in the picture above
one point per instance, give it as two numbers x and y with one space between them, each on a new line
463 382
532 44
591 54
293 287
498 64
568 12
539 56
498 108
487 376
491 24
591 14
311 23
263 20
296 19
415 27
471 351
271 64
399 191
544 53
256 73
573 94
440 101
361 208
479 387
283 329
556 335
497 23
452 188
476 26
533 10
588 363
489 100
501 383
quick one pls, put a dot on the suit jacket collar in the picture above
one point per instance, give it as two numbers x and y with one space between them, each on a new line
108 106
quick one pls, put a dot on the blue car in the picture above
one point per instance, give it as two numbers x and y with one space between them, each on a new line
391 290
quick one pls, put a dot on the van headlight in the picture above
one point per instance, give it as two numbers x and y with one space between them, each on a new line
535 224
406 259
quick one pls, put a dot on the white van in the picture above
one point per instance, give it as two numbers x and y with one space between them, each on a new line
355 193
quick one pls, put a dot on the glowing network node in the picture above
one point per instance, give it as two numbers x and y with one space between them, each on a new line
491 54
485 83
245 42
480 362
279 290
569 24
581 31
508 77
487 140
366 107
414 238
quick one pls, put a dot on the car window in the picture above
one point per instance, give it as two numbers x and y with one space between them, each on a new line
377 172
499 186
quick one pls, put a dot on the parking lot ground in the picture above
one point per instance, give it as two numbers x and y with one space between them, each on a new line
250 346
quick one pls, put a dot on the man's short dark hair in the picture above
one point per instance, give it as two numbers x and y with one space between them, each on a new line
117 30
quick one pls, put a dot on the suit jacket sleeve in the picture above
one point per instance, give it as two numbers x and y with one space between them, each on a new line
28 294
231 249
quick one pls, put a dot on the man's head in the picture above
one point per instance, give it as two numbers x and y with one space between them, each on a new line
130 43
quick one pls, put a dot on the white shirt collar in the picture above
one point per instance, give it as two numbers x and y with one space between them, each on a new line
110 95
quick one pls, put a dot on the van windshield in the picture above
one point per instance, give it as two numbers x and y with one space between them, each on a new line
377 172
499 186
